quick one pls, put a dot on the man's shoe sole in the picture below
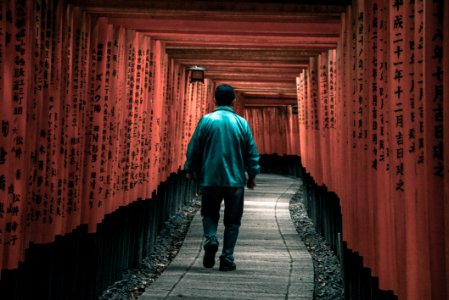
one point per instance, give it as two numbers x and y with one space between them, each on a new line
231 267
209 256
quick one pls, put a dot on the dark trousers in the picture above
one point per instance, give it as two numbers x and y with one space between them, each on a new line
210 211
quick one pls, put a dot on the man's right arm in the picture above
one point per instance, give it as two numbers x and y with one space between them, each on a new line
252 160
251 183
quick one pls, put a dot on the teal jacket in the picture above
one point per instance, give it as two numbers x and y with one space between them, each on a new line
222 148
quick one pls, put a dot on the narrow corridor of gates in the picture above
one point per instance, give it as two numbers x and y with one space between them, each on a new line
98 103
272 262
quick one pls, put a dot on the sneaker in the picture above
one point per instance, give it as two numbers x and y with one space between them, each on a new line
227 265
209 255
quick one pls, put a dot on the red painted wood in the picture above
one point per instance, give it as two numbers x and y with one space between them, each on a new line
389 135
99 134
382 154
273 129
446 133
433 150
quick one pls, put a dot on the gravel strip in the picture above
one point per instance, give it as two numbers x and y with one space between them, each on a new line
328 283
167 244
328 280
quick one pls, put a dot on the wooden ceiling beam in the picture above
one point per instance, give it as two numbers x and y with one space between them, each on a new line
267 80
270 102
259 53
258 38
311 7
248 59
247 45
279 76
259 47
268 94
279 87
131 13
235 63
247 27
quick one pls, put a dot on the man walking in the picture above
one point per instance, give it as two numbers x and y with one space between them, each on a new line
221 149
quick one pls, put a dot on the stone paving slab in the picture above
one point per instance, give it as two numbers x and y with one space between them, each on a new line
272 262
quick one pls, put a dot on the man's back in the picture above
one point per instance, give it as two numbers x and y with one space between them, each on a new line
222 149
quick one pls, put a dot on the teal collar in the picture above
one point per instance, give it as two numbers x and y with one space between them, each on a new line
224 107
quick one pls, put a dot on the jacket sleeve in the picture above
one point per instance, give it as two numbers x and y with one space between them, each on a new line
252 156
194 152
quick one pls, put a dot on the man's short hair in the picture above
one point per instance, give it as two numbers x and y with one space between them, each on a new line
224 94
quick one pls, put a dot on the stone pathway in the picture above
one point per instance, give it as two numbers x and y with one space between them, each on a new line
272 261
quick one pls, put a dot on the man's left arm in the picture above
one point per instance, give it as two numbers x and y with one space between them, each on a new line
193 161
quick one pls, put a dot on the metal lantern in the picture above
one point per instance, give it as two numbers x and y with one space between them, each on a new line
196 74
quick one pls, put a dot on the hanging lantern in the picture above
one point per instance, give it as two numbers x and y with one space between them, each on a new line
295 109
196 74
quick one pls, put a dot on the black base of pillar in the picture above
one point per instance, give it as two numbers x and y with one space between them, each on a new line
289 165
80 265
323 207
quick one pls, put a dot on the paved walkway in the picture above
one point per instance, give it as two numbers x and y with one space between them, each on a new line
272 262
